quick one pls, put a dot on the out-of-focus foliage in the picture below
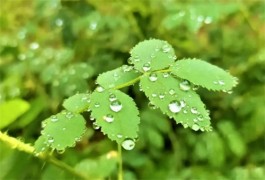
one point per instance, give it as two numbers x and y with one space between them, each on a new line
51 49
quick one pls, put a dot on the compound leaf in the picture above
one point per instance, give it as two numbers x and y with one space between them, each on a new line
204 74
77 103
176 100
152 55
117 77
116 114
63 129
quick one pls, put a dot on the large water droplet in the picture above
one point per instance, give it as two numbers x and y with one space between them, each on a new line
109 118
174 106
195 127
115 106
153 77
146 67
194 110
128 144
54 118
184 85
112 97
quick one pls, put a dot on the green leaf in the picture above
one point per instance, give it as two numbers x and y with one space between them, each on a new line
152 55
116 113
63 129
184 105
98 168
204 74
77 103
117 77
11 110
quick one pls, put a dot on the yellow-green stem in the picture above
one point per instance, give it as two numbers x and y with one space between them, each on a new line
120 173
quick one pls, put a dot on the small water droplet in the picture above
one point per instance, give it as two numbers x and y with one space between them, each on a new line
171 92
92 118
185 111
130 60
153 77
128 144
97 104
165 74
69 115
161 95
50 140
185 125
174 106
136 58
119 136
200 117
54 118
95 126
166 48
221 82
126 68
61 151
146 67
215 82
112 97
184 85
100 89
108 118
208 20
154 95
195 127
195 87
194 110
115 106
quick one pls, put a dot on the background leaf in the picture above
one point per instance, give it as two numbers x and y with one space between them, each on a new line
11 110
204 74
116 113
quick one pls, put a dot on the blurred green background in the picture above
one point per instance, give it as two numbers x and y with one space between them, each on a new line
52 49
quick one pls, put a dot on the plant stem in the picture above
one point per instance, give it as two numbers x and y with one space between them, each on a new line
27 148
120 174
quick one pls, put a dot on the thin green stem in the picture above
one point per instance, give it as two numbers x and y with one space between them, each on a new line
120 174
27 148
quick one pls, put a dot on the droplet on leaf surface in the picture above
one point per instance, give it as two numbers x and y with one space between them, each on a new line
128 144
116 106
174 106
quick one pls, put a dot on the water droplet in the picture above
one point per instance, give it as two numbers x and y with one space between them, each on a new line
221 82
195 120
208 20
146 67
100 89
194 110
182 103
153 77
161 95
195 127
59 22
174 57
69 115
136 58
151 105
50 140
185 111
92 118
115 106
126 68
97 104
112 97
174 106
54 118
154 95
166 48
95 126
184 85
108 118
165 74
185 125
128 144
119 136
130 60
200 117
215 82
195 87
153 56
171 92
85 98
61 151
